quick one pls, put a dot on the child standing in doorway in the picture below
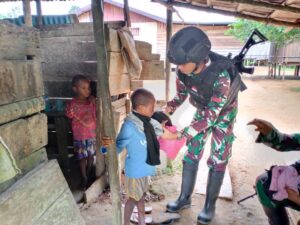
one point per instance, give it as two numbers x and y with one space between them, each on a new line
82 112
139 137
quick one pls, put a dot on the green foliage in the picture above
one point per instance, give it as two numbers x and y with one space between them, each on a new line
279 35
296 89
13 13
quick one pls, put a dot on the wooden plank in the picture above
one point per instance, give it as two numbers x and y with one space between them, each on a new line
92 193
155 56
67 70
27 200
25 136
116 64
144 50
16 42
118 103
152 70
68 49
26 164
121 110
20 80
63 212
119 84
20 109
114 42
76 29
135 84
31 161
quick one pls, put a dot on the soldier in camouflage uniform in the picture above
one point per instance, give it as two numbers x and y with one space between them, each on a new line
275 210
207 78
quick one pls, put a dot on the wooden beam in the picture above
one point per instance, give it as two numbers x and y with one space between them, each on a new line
168 65
39 12
209 3
127 13
228 13
27 13
265 5
104 109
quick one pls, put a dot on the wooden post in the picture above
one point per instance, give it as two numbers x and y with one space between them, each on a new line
283 74
279 70
296 71
104 109
39 13
61 127
168 65
27 13
127 13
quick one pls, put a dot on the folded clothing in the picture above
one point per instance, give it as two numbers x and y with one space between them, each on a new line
284 177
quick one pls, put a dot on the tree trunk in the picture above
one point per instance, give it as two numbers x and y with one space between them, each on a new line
104 109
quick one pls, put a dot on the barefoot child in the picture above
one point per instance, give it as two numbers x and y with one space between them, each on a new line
82 112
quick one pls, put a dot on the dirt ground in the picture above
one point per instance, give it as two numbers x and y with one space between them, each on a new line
268 99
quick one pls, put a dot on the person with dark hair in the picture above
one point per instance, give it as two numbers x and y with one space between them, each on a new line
275 209
207 78
139 138
82 112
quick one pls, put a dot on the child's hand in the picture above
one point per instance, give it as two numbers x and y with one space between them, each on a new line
106 141
293 196
169 135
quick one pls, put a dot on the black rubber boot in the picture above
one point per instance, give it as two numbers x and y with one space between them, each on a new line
214 183
189 174
277 216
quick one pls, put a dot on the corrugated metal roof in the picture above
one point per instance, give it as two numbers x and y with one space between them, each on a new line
47 20
280 12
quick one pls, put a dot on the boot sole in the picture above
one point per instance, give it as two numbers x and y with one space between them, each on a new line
176 211
199 222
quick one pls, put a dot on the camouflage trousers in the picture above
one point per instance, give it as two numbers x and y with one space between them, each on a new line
222 138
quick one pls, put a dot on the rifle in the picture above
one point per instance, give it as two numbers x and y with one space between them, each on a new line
255 38
244 199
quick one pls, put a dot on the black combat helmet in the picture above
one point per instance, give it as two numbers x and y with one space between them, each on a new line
189 44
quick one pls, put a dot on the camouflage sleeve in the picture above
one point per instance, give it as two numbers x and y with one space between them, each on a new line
181 95
279 141
206 118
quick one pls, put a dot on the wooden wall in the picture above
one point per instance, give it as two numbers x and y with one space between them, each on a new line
40 194
22 127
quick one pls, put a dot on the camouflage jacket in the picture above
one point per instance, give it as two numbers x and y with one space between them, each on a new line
279 141
207 117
